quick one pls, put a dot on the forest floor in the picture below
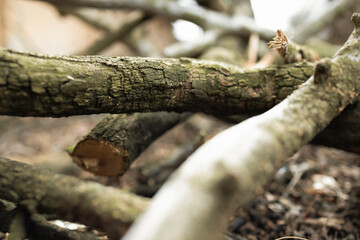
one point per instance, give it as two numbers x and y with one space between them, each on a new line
315 196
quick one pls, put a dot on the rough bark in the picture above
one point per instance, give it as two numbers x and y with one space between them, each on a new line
6 215
115 142
343 132
40 85
230 169
69 198
152 175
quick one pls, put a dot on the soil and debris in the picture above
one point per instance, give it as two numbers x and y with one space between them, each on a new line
315 196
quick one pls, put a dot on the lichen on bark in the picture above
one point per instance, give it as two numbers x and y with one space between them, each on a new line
40 85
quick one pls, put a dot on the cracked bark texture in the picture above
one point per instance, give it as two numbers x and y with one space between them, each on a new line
70 198
115 142
40 85
233 167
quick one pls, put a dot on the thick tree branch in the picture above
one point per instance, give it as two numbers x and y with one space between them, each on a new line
115 142
206 18
230 169
40 85
69 198
335 10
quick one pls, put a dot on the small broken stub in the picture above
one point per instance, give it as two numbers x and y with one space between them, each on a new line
279 43
322 70
356 19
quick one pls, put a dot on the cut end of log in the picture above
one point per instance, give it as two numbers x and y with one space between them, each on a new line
100 158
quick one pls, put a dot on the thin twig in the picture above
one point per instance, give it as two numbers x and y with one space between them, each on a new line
89 16
206 18
335 10
191 49
132 21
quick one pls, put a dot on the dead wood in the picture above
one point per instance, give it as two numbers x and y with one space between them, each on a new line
41 85
230 169
115 142
70 198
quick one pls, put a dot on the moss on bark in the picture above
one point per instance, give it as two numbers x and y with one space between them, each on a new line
40 85
115 142
107 208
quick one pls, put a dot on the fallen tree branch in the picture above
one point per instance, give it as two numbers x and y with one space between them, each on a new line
115 142
40 85
192 49
133 20
230 169
40 227
69 198
342 132
89 16
152 175
206 18
304 32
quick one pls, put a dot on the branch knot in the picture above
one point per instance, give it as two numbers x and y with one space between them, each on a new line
356 19
322 70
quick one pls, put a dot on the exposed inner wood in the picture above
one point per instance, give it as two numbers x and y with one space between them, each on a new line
101 158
